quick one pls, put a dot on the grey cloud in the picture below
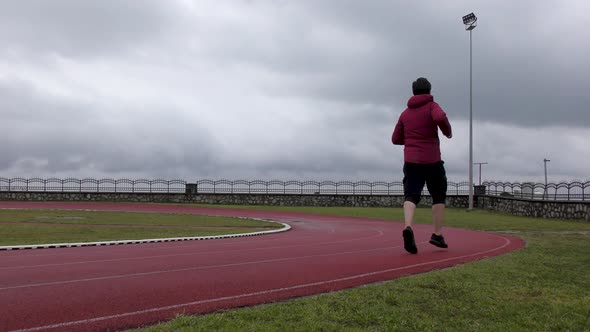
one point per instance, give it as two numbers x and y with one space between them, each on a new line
43 136
518 77
23 106
81 28
343 68
321 163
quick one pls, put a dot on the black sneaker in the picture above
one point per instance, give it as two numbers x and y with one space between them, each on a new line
409 243
438 240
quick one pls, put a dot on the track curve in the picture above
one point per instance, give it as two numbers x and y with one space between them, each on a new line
120 287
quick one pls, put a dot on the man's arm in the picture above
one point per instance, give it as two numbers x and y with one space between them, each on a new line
398 133
440 118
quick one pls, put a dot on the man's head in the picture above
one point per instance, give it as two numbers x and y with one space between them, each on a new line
421 86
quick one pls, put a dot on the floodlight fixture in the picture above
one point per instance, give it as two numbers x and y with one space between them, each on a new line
470 21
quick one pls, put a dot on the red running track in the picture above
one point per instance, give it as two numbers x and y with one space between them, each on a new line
121 287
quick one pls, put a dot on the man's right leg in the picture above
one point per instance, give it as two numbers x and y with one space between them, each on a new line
438 215
438 212
413 185
437 186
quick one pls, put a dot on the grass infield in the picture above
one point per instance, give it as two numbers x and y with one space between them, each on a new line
23 227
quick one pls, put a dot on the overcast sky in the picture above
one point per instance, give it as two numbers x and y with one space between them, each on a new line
282 89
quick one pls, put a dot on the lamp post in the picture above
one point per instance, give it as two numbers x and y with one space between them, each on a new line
545 161
480 170
470 21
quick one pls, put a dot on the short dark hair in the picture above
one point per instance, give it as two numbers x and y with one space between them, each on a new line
421 86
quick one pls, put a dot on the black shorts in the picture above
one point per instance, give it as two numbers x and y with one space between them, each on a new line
433 175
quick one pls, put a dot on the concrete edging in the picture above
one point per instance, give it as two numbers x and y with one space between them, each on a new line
285 228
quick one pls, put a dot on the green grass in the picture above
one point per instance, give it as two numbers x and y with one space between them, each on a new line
41 226
477 219
543 287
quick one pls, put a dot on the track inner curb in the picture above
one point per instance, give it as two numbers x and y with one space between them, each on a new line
285 228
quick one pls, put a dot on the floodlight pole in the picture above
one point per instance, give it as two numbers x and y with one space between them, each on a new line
470 122
470 21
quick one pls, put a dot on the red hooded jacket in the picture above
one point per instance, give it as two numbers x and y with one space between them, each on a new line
417 130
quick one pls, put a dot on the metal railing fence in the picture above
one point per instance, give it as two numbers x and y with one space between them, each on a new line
575 190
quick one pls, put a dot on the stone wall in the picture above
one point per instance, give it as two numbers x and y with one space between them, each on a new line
93 197
537 208
520 207
229 199
317 200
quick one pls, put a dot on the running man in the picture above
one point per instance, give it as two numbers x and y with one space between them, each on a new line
417 131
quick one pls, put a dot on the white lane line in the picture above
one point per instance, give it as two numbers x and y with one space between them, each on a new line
235 297
141 274
379 234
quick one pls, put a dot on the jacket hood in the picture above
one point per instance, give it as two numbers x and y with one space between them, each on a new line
419 100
